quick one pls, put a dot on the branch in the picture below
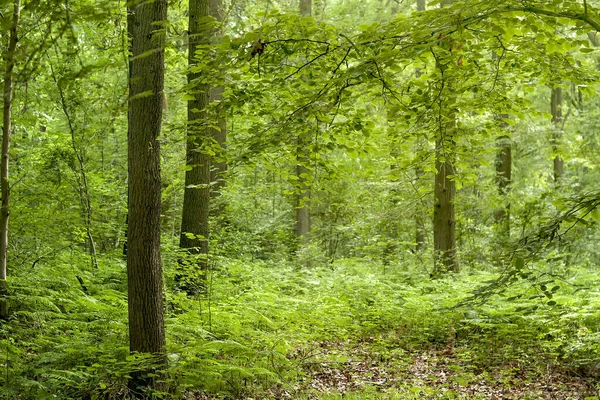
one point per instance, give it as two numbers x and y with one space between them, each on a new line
584 17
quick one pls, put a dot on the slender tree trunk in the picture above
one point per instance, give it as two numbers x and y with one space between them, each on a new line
305 7
146 26
196 198
557 121
420 233
4 182
219 165
444 218
83 189
503 179
302 172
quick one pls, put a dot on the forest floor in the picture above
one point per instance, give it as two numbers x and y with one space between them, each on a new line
351 333
373 371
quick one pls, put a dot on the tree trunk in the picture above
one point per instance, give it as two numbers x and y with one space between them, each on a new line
503 180
444 223
83 189
420 233
196 199
305 7
557 121
219 165
6 131
302 172
444 218
146 22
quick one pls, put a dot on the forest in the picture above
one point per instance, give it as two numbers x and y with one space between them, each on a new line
300 199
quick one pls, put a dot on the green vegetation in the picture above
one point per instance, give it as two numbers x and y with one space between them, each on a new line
300 199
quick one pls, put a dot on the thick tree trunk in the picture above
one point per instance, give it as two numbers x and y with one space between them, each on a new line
146 22
302 198
6 131
196 199
557 120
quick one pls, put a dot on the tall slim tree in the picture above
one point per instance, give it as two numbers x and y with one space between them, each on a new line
420 233
196 198
219 134
557 121
146 26
302 198
503 178
9 61
444 218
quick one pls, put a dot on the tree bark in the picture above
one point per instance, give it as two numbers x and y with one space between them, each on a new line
302 198
219 165
503 180
4 182
196 199
444 218
305 7
146 21
557 121
420 233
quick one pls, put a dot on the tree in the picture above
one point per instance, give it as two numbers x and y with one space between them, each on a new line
556 99
6 131
146 27
420 233
444 218
503 178
302 198
196 198
218 133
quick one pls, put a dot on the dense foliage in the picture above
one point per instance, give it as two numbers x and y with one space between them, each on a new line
355 113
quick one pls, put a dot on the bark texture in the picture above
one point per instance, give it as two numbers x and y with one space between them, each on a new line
146 21
196 199
6 131
444 223
557 121
219 165
444 218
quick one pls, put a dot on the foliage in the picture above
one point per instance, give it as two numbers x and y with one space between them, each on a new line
369 83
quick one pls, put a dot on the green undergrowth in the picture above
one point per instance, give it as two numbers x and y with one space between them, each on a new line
260 323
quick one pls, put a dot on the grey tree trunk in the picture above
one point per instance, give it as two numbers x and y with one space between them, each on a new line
6 131
196 198
219 165
557 121
420 233
503 180
302 201
146 27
